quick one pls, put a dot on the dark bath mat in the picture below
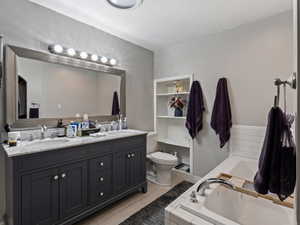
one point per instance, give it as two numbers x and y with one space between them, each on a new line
154 213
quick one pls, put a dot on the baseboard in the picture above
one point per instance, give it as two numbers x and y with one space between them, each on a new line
192 179
186 176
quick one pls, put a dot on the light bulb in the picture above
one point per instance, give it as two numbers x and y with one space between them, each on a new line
71 52
104 59
58 49
83 55
94 57
113 62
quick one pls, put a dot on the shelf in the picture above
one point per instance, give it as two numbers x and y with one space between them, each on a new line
175 93
181 171
170 142
172 117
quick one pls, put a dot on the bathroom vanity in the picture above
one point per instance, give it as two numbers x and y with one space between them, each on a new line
64 182
60 181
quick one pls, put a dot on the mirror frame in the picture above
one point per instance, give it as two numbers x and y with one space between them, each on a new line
11 53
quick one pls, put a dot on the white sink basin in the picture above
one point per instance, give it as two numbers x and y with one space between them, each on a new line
227 207
48 142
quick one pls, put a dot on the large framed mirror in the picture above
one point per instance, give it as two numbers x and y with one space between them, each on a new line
42 87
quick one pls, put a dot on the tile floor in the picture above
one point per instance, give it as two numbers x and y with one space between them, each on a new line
120 211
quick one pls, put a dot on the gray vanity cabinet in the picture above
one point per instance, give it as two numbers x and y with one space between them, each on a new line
136 170
60 187
40 198
53 194
120 175
100 178
129 169
73 188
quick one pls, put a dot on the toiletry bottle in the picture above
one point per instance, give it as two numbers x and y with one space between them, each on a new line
125 123
86 124
13 138
79 129
60 123
120 122
68 130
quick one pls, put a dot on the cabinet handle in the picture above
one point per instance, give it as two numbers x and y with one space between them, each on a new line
101 194
63 175
132 155
55 177
101 179
128 156
101 164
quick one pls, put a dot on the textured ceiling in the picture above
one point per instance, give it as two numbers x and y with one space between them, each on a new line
159 23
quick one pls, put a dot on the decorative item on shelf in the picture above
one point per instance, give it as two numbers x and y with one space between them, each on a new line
179 87
171 87
71 52
178 104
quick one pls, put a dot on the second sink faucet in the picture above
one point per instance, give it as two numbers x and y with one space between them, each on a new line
43 131
205 184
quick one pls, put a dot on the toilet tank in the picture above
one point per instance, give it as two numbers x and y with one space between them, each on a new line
151 142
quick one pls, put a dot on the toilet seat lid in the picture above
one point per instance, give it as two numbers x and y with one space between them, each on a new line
164 158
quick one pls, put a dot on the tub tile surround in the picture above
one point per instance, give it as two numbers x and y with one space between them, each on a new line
245 146
246 141
29 147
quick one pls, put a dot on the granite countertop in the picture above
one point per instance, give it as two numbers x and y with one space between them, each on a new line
48 144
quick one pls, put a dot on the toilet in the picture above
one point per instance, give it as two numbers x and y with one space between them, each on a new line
164 163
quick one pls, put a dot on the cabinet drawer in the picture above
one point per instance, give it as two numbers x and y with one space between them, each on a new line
100 179
101 163
60 156
127 144
100 185
98 196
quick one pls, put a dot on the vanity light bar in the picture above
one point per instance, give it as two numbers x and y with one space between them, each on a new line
60 50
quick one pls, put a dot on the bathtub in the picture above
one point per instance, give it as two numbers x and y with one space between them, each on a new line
222 206
245 169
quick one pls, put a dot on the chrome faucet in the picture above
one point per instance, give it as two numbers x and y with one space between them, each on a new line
43 131
205 184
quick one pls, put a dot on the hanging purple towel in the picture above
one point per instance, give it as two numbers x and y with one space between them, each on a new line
195 110
277 162
288 160
269 165
115 105
221 116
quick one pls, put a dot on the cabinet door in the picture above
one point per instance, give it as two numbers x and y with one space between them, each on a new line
121 172
73 179
137 167
40 198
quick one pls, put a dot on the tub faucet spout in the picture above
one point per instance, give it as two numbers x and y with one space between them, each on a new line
205 184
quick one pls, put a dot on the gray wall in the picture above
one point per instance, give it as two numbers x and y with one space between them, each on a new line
250 56
28 25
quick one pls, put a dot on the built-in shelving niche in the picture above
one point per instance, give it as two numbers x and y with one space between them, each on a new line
171 132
